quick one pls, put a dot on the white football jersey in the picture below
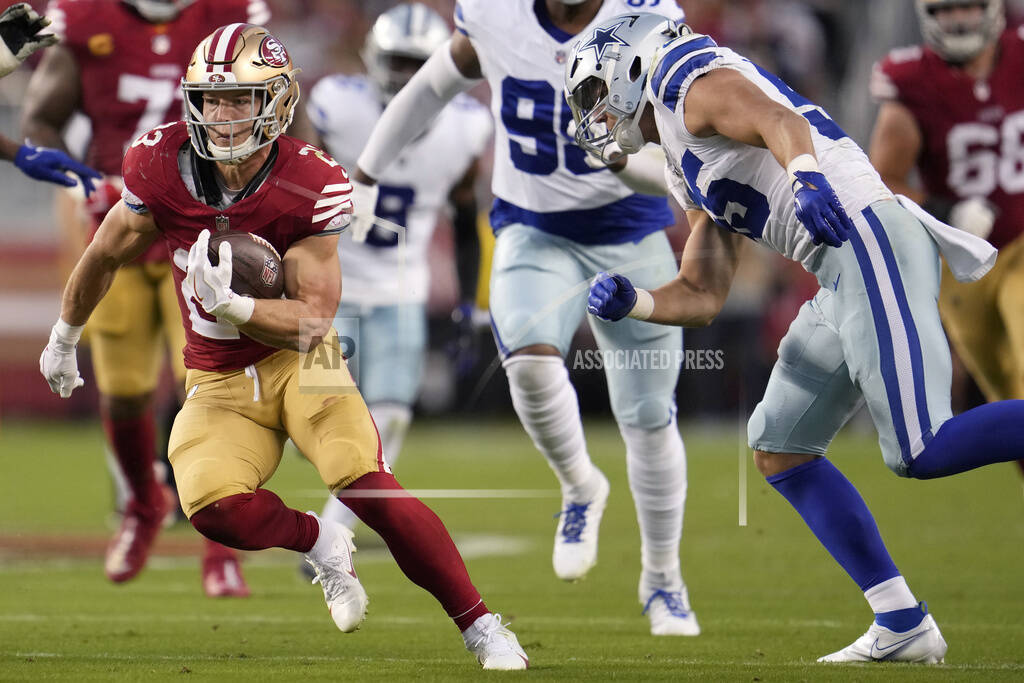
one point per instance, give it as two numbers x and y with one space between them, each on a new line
414 188
743 188
540 176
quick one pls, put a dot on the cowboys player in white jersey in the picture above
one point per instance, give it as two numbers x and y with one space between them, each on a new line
749 157
386 274
558 221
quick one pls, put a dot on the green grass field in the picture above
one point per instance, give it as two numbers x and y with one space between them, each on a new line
769 598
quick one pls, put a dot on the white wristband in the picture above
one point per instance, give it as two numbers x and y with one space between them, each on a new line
644 306
804 162
67 334
239 310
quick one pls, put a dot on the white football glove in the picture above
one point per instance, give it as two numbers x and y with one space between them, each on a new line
974 215
364 203
19 36
59 362
212 284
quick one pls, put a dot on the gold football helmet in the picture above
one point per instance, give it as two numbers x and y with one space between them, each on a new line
240 57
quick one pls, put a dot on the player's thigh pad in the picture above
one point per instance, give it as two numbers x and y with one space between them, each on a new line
1010 302
975 329
641 360
538 290
326 417
125 338
170 317
809 394
888 321
389 343
216 449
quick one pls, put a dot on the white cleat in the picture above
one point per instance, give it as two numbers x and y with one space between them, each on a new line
670 614
495 647
575 550
923 644
346 599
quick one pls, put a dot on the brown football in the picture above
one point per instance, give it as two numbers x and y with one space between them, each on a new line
256 268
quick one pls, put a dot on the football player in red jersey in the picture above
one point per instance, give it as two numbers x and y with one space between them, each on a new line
20 36
954 109
120 62
263 370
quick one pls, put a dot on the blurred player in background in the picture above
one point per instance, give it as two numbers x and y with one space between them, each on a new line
387 275
120 63
954 109
257 369
20 36
558 221
751 158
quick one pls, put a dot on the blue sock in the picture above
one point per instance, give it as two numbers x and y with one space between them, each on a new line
839 518
984 435
900 620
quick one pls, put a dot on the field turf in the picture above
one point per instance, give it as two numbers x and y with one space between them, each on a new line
769 598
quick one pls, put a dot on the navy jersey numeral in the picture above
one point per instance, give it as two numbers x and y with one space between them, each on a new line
641 3
528 111
392 204
731 204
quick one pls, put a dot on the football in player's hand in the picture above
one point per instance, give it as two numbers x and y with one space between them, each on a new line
256 268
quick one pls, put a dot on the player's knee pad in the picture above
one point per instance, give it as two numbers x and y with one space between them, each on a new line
220 521
647 413
535 377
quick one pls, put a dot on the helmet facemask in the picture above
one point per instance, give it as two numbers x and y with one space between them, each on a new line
257 65
958 41
400 41
263 125
606 78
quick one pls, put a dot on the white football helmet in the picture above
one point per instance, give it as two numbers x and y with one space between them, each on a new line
159 11
240 57
958 42
606 73
401 40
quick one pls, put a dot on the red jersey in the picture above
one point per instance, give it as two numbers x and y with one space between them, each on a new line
973 131
304 194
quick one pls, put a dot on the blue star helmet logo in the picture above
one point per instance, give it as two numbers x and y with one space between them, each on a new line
603 39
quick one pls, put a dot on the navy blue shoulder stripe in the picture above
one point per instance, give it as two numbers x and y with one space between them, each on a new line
460 19
674 55
675 84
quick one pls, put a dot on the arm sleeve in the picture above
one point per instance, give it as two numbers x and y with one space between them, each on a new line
415 106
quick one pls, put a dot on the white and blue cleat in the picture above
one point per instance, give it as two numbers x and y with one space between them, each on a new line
575 551
669 612
922 644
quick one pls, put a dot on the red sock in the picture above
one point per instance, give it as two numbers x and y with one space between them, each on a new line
133 440
255 521
420 545
215 551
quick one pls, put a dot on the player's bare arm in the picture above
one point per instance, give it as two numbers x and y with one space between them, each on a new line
121 237
692 299
51 98
895 145
698 292
312 285
724 102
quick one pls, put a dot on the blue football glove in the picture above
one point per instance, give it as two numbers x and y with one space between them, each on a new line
612 296
818 208
43 163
